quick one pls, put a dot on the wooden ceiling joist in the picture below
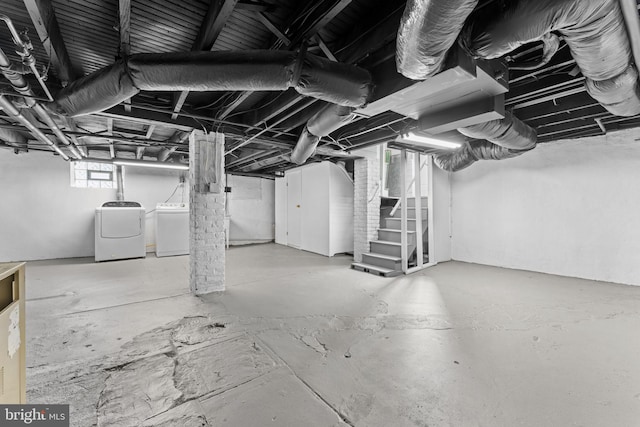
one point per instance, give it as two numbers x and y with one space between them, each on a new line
46 24
304 34
124 11
214 21
269 25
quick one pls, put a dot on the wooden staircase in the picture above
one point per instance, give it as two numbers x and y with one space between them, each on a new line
384 258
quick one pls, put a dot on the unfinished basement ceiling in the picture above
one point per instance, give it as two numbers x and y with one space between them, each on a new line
261 127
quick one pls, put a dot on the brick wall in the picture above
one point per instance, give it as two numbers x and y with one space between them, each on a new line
207 238
366 202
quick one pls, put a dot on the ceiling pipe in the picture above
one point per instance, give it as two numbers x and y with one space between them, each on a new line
252 70
328 120
427 31
25 53
632 21
21 86
593 30
12 111
119 182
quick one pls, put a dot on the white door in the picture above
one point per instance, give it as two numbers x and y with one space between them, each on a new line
294 209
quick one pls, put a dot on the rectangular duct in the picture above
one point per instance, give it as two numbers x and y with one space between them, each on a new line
466 92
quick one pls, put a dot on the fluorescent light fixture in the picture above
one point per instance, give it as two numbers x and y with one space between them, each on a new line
428 141
142 163
147 164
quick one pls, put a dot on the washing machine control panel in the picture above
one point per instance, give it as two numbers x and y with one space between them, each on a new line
173 205
121 204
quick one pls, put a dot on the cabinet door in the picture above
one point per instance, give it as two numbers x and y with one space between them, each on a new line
315 208
294 209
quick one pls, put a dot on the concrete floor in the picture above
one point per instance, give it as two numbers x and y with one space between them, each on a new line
302 340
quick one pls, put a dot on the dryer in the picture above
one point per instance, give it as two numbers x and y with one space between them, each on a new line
119 231
172 229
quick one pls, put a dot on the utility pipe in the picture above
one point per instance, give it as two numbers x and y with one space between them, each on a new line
12 111
632 21
120 183
26 54
19 83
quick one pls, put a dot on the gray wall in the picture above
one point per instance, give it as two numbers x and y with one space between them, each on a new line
569 208
252 209
43 217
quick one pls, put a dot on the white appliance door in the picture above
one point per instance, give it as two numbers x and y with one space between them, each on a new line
119 223
294 209
173 232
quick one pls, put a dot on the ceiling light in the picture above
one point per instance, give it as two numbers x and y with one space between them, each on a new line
147 164
430 142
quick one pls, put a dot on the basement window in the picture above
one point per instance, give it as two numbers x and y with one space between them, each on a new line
92 175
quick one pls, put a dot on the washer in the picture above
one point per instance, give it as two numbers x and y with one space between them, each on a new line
119 231
172 229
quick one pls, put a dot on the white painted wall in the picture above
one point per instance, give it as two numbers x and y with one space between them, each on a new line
281 211
570 208
43 217
441 211
252 209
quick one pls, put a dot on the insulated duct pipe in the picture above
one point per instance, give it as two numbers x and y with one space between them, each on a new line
594 30
471 152
505 138
327 120
427 31
119 182
21 86
12 111
256 70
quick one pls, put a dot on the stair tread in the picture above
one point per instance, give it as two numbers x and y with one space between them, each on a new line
372 267
384 242
408 219
395 231
382 256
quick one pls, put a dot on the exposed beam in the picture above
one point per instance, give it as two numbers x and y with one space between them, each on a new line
164 154
179 100
273 28
325 49
124 9
321 21
112 148
251 157
71 124
255 6
311 31
46 24
370 40
276 105
235 104
150 130
147 135
300 119
214 21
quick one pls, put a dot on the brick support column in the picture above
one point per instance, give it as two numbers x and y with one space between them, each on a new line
207 199
366 201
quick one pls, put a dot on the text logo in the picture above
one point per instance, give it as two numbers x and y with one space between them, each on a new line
34 415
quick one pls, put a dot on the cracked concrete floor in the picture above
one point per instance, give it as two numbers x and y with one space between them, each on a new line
301 340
